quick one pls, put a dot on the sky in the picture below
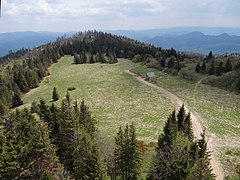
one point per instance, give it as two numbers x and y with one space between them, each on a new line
80 15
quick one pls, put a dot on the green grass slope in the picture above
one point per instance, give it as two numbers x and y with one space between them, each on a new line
114 97
218 109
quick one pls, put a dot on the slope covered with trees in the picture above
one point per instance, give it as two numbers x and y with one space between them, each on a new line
19 76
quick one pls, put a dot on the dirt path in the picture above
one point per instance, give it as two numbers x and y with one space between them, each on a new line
196 123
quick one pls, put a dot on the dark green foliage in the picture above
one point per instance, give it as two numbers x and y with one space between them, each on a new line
55 95
91 59
177 155
219 69
211 70
34 108
171 62
203 68
127 154
16 100
72 131
200 171
26 74
228 66
87 162
163 62
197 68
86 120
210 55
3 108
27 152
77 59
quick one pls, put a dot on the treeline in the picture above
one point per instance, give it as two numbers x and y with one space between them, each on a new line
223 74
50 142
168 60
18 77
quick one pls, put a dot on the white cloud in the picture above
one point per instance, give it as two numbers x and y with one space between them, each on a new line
113 14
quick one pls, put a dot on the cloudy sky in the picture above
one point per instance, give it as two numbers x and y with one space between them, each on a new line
76 15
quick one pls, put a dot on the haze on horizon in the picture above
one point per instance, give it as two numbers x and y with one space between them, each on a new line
78 15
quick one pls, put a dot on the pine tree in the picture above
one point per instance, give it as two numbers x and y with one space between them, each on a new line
203 68
16 100
87 161
127 154
119 154
200 171
177 155
219 69
3 109
228 66
55 95
86 120
28 151
210 55
197 68
181 118
91 59
211 70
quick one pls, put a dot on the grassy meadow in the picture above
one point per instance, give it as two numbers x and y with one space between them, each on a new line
115 98
218 109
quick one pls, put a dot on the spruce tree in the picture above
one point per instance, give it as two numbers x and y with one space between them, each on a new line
127 154
86 120
219 69
211 70
55 95
28 152
197 68
87 163
91 59
228 66
16 100
177 155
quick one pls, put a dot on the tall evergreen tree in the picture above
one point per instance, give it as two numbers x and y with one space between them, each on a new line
177 155
197 68
87 163
127 154
28 152
211 70
55 95
228 66
219 69
86 120
16 100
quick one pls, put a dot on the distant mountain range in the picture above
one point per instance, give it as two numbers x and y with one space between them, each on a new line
189 40
17 40
198 42
218 40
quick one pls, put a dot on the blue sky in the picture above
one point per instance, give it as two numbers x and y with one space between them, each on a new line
78 15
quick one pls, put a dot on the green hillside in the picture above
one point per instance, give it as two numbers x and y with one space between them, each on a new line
114 96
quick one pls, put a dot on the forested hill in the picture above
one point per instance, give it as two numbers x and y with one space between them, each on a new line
21 76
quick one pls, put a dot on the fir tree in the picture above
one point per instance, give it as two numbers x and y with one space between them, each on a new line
197 68
16 100
91 59
219 69
28 151
127 154
55 95
87 161
228 66
211 70
86 120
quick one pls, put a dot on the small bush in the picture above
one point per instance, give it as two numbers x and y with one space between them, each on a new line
71 88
